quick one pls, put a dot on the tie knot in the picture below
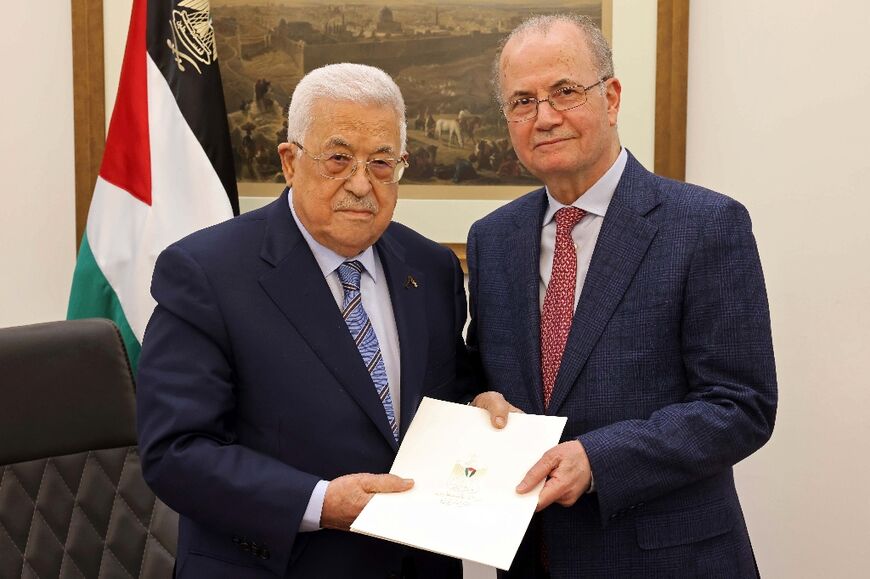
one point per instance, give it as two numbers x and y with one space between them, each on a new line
349 273
568 217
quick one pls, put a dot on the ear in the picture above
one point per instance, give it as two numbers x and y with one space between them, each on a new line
287 152
614 98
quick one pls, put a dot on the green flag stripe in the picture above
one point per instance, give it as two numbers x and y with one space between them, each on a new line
91 296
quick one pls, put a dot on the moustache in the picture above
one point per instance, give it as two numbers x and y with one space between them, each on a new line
351 203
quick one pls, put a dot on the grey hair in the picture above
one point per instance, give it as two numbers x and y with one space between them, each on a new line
345 82
602 56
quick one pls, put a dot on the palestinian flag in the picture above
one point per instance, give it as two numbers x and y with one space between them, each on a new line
167 169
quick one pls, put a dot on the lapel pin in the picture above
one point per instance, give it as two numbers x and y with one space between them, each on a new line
411 282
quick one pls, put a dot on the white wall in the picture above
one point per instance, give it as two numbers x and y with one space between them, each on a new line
37 201
116 22
779 119
634 62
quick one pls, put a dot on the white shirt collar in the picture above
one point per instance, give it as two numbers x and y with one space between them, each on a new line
597 198
327 259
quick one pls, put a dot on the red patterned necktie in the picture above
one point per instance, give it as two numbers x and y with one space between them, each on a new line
558 308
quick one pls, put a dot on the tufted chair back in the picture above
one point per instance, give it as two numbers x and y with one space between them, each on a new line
73 503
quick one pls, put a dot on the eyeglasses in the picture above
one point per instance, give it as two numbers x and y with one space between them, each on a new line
341 166
563 98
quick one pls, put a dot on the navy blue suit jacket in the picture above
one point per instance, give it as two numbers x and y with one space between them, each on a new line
250 390
667 378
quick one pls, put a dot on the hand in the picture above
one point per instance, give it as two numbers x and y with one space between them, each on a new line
566 468
347 495
497 406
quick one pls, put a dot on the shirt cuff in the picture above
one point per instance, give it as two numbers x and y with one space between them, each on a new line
591 484
311 518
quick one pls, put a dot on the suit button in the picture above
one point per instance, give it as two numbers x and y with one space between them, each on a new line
245 546
613 516
236 540
264 554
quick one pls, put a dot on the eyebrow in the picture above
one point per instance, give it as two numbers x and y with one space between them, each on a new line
559 83
384 149
339 142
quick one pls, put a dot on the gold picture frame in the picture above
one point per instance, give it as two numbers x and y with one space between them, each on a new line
670 109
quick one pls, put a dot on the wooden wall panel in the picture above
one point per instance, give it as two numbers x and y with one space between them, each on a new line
672 67
88 102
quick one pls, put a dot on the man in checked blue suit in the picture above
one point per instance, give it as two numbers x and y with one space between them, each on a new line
631 304
290 348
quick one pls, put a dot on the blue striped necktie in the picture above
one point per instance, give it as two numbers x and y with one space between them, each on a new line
363 333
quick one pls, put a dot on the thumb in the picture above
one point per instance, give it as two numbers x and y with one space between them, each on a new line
496 405
386 483
536 474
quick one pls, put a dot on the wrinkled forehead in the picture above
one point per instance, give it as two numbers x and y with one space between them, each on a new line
354 126
561 49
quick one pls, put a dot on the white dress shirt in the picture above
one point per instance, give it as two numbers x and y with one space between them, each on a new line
376 302
594 202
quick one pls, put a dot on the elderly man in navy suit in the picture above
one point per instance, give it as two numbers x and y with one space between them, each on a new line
290 348
631 304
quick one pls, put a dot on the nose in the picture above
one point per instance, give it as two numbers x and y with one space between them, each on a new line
548 117
358 183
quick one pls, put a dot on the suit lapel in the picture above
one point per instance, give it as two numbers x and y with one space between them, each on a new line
622 243
409 308
298 288
523 260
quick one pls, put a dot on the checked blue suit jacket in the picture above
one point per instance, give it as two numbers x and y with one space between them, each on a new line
667 378
251 389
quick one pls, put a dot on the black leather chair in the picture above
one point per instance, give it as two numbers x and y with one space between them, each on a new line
73 502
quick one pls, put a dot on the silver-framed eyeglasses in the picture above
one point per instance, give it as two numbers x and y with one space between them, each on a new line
564 98
342 166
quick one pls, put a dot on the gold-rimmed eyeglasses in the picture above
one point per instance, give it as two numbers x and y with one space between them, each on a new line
342 166
564 98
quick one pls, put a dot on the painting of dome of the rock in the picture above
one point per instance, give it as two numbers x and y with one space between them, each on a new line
440 54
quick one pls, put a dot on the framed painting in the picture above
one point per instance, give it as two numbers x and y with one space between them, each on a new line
440 54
